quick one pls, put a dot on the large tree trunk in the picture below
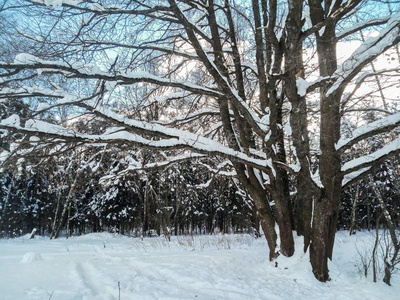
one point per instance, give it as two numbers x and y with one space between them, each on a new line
322 237
294 68
326 206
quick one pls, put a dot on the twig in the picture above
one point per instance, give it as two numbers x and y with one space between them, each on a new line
119 290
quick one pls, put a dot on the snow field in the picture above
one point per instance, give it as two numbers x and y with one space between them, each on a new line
202 267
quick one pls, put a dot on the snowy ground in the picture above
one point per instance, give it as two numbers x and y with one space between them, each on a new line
206 267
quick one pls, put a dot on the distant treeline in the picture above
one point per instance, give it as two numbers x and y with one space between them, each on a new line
62 196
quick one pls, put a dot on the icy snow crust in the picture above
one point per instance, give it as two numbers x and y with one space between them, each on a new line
203 267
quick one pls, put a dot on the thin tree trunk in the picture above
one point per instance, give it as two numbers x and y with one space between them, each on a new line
353 210
7 200
368 217
374 271
388 264
68 220
56 233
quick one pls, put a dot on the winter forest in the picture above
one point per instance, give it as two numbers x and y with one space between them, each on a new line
276 121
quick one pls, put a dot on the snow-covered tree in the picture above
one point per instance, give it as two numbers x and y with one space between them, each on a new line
219 78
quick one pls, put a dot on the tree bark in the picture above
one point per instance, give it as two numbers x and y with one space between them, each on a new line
326 205
264 211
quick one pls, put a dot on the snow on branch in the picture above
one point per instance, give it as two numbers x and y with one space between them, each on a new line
186 138
122 123
220 169
304 87
26 61
189 117
178 139
157 165
367 52
64 98
98 8
353 177
371 159
370 129
149 46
